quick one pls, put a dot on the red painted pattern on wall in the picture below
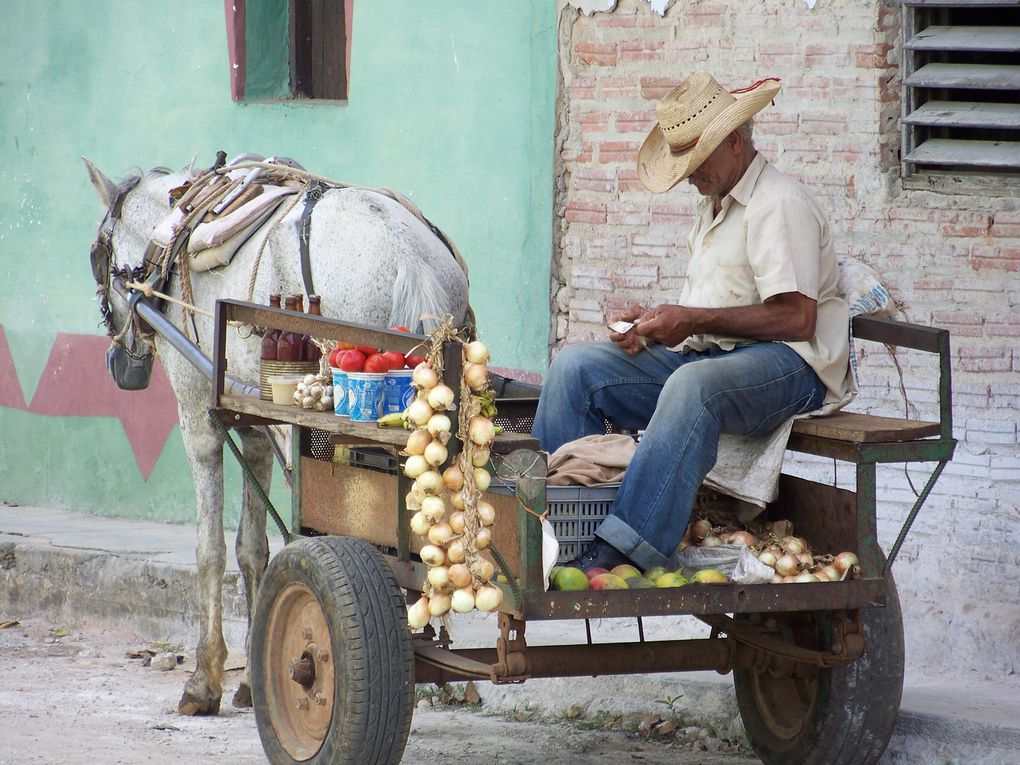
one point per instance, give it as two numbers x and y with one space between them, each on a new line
75 383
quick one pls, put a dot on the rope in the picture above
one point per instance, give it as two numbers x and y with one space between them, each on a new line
265 239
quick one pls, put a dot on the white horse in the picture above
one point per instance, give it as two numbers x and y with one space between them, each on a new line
372 262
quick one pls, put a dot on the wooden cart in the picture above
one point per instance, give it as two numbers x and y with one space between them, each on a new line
817 668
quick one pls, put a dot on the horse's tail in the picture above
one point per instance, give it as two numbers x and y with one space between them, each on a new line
422 300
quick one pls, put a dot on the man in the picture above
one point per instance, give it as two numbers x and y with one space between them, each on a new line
757 336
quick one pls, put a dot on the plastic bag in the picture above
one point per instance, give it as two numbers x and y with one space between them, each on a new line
550 550
736 561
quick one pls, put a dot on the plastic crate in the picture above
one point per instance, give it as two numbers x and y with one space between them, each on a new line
573 511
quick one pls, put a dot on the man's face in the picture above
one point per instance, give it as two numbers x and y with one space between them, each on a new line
720 172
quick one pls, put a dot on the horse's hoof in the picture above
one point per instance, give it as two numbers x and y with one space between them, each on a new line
191 705
242 697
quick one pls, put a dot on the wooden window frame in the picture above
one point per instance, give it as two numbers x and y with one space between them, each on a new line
961 95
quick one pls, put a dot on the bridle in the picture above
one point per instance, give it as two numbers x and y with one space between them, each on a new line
105 274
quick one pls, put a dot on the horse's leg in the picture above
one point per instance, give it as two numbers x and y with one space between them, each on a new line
204 447
252 546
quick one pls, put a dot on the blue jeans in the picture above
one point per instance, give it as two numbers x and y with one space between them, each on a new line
684 401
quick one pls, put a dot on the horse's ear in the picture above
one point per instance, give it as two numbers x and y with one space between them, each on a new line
104 186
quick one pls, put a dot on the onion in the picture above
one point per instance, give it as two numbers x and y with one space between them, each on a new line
415 466
486 570
433 508
429 482
806 560
462 600
432 555
424 376
481 430
420 524
457 500
476 376
418 614
794 545
453 477
743 537
412 501
419 412
440 534
482 538
438 424
821 576
776 579
460 575
768 557
488 598
482 479
700 529
480 456
788 565
441 398
832 572
805 576
789 579
711 541
417 441
455 552
439 603
486 513
457 522
435 454
439 576
844 561
476 352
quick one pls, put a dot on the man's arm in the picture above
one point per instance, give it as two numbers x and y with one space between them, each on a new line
788 316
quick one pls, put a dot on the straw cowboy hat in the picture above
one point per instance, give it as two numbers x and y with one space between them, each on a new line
694 118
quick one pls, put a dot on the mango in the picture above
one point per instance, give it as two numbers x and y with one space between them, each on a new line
709 576
670 579
625 571
639 583
571 579
592 572
654 573
608 581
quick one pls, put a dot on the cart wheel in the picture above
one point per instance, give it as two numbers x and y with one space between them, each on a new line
332 665
838 716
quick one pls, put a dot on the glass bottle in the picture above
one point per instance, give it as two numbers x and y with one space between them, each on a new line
272 336
288 346
314 309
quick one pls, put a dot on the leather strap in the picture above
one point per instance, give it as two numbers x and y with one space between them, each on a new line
314 193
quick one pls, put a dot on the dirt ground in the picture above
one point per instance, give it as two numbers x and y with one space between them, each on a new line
78 696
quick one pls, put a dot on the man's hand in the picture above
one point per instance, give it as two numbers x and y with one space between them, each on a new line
667 324
628 341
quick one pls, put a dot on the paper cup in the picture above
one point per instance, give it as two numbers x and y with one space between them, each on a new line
339 392
283 388
365 396
398 390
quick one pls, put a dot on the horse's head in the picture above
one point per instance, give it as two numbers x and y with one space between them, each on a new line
117 257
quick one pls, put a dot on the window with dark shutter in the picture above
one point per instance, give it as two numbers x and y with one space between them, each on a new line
961 89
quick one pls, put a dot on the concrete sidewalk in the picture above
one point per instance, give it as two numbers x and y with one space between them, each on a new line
81 570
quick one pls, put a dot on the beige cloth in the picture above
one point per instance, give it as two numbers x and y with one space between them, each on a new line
591 460
770 237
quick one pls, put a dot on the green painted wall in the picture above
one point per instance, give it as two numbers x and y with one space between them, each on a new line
450 103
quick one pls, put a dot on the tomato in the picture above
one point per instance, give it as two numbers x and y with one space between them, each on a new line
334 357
377 362
412 360
394 359
400 329
352 361
367 350
345 346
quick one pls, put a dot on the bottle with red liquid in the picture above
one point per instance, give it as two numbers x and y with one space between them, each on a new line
272 336
314 309
288 346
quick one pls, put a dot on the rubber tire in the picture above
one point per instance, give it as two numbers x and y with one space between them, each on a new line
371 650
855 707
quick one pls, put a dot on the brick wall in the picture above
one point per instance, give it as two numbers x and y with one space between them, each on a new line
949 259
